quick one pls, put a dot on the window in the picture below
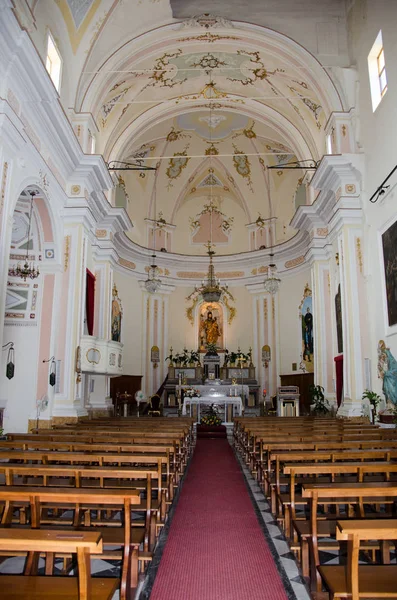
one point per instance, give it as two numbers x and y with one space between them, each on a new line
382 72
53 62
377 72
329 144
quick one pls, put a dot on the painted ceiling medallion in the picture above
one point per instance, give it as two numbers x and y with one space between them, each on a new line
213 121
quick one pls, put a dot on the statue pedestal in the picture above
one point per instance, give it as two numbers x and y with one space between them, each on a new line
212 366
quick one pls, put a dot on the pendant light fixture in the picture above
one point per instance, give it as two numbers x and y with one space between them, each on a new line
28 269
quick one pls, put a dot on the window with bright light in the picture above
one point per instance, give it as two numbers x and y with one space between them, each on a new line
53 62
382 72
329 144
377 72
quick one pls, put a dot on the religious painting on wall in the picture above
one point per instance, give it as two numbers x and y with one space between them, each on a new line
338 315
211 326
389 243
117 313
306 317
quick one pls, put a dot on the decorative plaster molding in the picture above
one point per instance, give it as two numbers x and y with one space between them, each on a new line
207 21
191 274
75 190
294 262
229 274
126 263
11 323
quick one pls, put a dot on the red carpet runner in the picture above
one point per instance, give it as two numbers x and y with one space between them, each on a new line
216 549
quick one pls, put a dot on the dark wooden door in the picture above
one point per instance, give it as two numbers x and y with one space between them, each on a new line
303 381
125 384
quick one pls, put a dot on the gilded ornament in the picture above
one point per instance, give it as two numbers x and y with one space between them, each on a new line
211 150
359 254
67 251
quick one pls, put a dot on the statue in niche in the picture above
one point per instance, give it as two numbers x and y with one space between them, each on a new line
117 313
210 326
338 315
387 371
306 317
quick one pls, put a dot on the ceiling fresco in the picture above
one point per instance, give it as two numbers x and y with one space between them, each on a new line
216 106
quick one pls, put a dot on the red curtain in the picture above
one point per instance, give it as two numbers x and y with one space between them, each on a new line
339 378
90 301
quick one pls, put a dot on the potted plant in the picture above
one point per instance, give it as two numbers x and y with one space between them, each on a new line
194 358
374 399
211 349
319 404
233 358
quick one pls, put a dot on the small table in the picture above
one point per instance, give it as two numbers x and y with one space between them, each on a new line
235 401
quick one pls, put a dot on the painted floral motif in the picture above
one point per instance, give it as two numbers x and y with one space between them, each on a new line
256 69
209 61
211 150
211 209
175 135
242 166
176 165
208 37
315 108
109 106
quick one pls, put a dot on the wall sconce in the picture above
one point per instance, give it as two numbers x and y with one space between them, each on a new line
266 355
52 377
10 368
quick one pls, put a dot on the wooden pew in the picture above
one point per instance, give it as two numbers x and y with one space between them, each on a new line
348 493
170 473
83 587
287 502
367 581
105 478
36 498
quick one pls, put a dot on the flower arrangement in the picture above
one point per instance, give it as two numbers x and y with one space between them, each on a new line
211 417
239 357
191 393
183 358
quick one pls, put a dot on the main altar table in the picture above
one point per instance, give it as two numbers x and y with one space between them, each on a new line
234 401
224 389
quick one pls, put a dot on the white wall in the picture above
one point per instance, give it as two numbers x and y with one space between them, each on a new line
378 137
290 297
132 322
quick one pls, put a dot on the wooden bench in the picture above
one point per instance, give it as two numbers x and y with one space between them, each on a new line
348 493
170 471
139 479
364 581
83 587
74 498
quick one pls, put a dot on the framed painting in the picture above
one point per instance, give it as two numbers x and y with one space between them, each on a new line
389 246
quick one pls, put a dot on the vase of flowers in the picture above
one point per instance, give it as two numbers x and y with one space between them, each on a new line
211 417
191 392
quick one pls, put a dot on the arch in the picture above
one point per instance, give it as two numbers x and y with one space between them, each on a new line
119 143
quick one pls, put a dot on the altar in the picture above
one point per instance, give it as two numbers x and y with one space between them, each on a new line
234 402
220 389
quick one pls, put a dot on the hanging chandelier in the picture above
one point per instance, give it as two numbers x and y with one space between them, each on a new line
153 282
211 290
27 270
272 282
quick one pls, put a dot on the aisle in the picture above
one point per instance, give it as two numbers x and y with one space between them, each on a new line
216 549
